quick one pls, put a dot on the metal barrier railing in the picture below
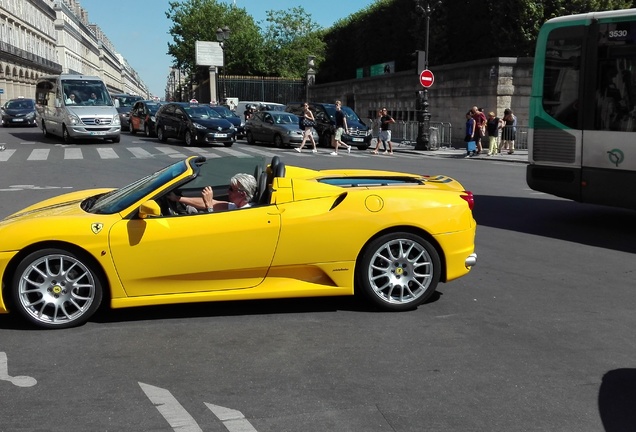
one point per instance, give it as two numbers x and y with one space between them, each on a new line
405 133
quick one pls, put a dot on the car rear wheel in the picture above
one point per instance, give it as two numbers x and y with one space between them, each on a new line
398 271
68 139
250 138
54 288
188 138
161 135
278 141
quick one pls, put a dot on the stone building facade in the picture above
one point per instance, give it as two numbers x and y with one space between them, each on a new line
494 84
42 37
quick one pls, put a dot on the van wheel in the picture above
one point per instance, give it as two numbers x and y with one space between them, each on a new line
68 139
161 134
116 140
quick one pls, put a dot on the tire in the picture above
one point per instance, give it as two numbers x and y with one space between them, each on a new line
116 140
147 130
278 141
250 138
161 136
228 144
325 140
54 289
132 130
68 139
188 138
398 271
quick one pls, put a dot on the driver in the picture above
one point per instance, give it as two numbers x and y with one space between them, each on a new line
241 191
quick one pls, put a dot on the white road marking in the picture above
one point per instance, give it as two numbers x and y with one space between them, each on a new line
107 153
233 152
19 381
171 152
174 413
260 151
39 154
234 421
140 153
203 152
5 155
73 153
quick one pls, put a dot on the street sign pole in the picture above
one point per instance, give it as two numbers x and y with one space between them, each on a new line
424 116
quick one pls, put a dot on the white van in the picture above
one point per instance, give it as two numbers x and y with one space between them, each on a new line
258 106
76 106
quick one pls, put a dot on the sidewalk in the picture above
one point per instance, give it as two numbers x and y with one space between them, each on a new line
519 156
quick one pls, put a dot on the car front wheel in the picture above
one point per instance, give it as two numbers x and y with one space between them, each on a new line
146 130
398 271
278 141
188 138
250 138
161 135
53 288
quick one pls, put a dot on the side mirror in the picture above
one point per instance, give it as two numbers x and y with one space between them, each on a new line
149 208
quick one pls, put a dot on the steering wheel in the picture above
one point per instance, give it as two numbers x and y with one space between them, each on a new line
171 208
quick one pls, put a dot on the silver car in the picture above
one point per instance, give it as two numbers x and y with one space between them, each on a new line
277 127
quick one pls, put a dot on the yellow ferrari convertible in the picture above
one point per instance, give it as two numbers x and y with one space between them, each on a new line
388 236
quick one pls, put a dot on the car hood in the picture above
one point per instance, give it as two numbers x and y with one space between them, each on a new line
213 123
14 111
91 110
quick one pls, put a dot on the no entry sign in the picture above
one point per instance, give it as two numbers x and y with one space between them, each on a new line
427 78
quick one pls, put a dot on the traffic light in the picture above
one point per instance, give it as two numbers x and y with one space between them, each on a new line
418 61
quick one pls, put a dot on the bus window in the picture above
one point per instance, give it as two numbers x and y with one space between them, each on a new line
615 97
562 74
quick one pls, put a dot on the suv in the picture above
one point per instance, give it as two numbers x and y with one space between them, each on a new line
194 124
325 114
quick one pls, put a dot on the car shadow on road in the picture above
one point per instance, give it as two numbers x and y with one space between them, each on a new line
600 226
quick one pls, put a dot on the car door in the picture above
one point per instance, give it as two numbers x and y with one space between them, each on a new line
135 116
228 250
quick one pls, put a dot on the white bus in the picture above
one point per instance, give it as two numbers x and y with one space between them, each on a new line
76 106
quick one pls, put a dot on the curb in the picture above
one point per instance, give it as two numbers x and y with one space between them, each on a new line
520 156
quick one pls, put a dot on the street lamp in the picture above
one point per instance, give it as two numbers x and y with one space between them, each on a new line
311 75
223 34
423 115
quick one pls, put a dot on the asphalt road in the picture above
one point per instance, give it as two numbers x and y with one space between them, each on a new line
537 338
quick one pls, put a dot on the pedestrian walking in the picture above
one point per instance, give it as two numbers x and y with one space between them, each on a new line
509 133
469 138
480 126
308 122
493 127
341 128
375 132
385 130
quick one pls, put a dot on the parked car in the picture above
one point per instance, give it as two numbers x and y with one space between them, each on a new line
361 231
278 127
325 115
124 103
19 112
193 124
142 117
231 116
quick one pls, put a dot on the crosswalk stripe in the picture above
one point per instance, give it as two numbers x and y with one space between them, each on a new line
259 151
203 152
107 153
73 153
170 152
5 155
233 152
140 153
39 154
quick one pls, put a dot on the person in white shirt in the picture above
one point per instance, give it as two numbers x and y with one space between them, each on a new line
240 193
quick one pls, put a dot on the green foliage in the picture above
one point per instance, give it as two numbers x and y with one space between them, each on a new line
290 36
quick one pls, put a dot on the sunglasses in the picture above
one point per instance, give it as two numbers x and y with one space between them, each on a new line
234 189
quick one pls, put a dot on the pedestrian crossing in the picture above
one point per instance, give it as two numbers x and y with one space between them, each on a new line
27 152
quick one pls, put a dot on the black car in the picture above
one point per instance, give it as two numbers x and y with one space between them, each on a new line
124 103
142 117
193 124
325 114
19 112
231 116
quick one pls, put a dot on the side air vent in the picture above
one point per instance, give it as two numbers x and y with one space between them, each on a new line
551 144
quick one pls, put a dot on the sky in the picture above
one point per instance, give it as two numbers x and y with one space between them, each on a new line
139 28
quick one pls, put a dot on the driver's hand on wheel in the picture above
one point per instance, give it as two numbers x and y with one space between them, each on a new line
173 197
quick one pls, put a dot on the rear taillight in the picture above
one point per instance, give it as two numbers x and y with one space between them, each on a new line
469 198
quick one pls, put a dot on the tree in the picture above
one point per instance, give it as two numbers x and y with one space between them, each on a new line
290 37
198 20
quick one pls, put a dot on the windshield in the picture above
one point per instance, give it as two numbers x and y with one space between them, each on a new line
202 112
285 118
20 104
348 112
127 101
86 92
153 107
120 199
225 111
